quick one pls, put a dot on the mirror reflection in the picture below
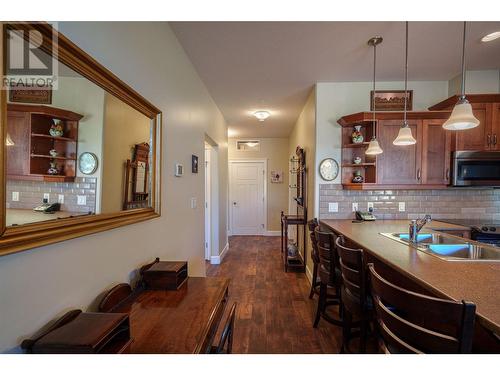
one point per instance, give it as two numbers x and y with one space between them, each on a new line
74 150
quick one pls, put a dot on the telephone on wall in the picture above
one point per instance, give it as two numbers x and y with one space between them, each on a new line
48 207
365 216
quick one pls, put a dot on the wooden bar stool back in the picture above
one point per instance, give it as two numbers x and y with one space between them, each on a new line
225 345
312 224
410 322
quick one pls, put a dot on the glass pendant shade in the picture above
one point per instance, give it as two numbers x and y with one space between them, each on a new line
9 141
461 117
373 148
404 138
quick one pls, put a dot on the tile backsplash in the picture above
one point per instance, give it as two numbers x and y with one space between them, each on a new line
31 193
452 203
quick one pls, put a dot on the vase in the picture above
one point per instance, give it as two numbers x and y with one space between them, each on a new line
53 153
292 249
356 135
56 129
357 160
357 178
53 168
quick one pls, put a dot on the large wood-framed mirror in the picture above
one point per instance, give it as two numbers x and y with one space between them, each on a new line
69 133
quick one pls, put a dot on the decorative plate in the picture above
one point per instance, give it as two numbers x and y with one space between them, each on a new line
329 169
87 163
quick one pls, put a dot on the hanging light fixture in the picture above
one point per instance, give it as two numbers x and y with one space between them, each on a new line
9 141
462 117
405 138
373 146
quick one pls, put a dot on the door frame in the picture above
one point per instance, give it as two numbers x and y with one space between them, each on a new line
208 201
263 161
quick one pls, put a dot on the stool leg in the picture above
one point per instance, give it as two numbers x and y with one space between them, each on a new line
362 336
281 231
321 303
346 329
314 282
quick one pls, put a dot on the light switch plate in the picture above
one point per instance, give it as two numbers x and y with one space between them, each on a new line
81 200
333 207
402 206
355 206
60 198
46 196
370 205
15 196
193 203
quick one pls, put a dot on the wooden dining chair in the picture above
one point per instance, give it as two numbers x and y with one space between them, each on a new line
315 283
357 307
410 322
225 345
114 296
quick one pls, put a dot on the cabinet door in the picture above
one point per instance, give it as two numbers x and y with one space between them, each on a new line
18 154
495 127
436 153
478 138
399 165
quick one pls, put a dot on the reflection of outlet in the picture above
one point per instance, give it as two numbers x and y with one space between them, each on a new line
81 200
402 207
333 207
46 196
60 198
370 206
355 206
15 196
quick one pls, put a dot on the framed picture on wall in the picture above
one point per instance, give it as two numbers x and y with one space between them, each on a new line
391 100
277 177
194 164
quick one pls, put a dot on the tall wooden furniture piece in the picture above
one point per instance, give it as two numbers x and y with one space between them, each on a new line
486 136
114 296
299 219
357 306
29 157
315 284
423 165
410 322
137 187
225 345
329 274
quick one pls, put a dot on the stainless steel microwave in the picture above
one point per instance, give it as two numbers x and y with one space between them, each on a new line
476 168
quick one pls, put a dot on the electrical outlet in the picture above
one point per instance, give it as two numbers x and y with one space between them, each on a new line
46 196
15 196
81 200
333 207
355 206
402 206
193 203
370 206
60 198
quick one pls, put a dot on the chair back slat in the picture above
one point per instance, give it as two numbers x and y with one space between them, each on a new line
115 296
226 338
312 225
413 322
352 268
327 255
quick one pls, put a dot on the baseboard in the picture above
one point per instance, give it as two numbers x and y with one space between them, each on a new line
272 233
217 259
309 274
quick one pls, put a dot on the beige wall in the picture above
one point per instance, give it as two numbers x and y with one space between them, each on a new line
304 135
275 150
124 127
40 284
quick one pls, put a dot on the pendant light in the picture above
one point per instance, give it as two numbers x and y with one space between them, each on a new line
405 138
462 117
9 141
373 146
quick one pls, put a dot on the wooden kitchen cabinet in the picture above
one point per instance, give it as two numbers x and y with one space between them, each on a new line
436 153
495 126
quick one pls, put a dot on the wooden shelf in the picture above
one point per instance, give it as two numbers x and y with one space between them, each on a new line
355 145
352 165
52 157
63 139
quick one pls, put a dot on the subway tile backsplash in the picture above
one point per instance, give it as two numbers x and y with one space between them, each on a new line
31 193
452 203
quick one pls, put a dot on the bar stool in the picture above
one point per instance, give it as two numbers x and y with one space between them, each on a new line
312 224
329 275
410 322
357 306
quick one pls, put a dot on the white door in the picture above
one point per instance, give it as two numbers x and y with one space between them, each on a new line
208 204
247 198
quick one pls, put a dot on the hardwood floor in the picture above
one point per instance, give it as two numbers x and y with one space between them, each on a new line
274 312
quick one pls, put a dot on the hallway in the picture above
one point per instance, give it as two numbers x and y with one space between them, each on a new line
274 313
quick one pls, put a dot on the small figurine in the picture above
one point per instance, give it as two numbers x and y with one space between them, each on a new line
53 168
357 177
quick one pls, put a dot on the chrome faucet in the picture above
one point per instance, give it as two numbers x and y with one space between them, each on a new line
416 226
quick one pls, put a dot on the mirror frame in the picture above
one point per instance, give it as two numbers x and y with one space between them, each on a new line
18 238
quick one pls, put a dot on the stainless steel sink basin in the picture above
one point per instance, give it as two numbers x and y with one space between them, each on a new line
448 247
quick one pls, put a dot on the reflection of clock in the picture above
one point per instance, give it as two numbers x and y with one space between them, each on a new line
87 163
328 169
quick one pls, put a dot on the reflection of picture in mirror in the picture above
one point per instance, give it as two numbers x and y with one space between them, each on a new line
194 164
140 177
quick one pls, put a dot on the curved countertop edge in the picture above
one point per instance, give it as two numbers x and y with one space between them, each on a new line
336 226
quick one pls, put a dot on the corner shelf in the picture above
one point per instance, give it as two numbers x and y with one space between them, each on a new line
352 165
48 136
51 157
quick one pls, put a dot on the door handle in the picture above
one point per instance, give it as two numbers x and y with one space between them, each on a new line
419 174
447 174
234 203
488 139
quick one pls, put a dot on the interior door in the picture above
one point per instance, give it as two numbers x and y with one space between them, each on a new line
436 153
398 165
247 198
480 137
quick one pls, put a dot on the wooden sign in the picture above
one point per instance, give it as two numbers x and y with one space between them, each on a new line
391 100
38 96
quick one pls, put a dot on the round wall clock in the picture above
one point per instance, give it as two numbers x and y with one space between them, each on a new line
329 169
87 163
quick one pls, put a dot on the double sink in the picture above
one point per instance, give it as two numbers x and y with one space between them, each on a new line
448 247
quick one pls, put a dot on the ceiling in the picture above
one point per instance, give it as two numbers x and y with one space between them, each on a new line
273 66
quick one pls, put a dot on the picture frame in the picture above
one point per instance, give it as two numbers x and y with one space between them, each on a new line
23 95
391 100
276 177
194 164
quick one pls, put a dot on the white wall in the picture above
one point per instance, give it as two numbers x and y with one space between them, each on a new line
476 82
40 284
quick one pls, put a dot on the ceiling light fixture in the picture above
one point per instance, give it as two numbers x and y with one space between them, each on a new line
9 141
491 36
462 117
373 146
405 138
261 115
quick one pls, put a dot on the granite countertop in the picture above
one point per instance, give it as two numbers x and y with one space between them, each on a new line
478 282
20 217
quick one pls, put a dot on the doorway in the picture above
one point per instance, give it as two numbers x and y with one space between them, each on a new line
208 203
247 197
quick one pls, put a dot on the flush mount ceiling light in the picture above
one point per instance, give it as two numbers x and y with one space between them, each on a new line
373 146
490 37
462 117
405 138
261 115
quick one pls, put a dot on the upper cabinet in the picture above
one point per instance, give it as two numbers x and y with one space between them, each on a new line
484 137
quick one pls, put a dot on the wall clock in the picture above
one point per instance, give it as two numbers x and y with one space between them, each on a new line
87 163
328 169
